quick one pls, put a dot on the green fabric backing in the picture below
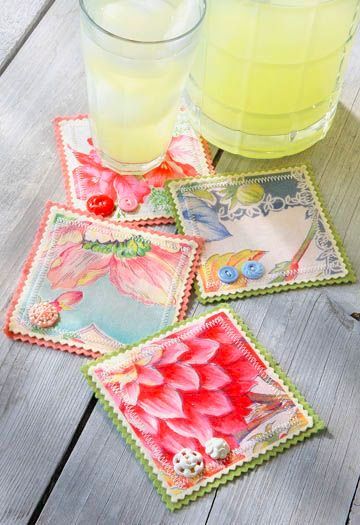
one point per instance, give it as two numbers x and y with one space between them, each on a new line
318 424
349 278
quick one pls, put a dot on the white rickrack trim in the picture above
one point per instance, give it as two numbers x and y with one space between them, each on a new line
191 186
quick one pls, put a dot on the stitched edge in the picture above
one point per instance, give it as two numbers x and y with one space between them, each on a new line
144 221
170 187
318 424
183 303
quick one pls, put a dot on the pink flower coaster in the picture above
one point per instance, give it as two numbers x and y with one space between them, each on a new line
200 403
90 286
187 156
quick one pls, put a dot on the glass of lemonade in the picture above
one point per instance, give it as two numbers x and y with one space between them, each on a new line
268 73
137 54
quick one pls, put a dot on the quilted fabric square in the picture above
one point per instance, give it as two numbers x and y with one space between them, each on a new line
264 232
90 286
200 403
188 156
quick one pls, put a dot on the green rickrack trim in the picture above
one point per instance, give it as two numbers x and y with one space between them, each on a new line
318 424
347 279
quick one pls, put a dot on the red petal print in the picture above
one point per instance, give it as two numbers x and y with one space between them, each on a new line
243 371
228 354
173 442
208 402
163 402
218 333
149 376
181 376
239 388
159 175
228 424
212 376
130 392
195 425
200 351
141 420
172 353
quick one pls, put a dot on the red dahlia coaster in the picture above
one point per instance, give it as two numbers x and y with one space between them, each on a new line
90 285
200 403
138 199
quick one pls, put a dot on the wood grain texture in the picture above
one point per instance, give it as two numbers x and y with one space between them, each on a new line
354 518
317 343
17 20
42 393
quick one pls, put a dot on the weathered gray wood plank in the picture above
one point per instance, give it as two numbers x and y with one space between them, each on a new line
42 394
17 19
354 518
315 340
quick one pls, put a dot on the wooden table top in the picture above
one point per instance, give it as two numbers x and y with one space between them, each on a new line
61 459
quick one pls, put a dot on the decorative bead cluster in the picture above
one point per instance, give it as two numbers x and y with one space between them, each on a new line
43 315
217 448
188 463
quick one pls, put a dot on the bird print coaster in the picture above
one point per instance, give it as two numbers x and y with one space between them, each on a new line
200 403
90 285
264 232
138 199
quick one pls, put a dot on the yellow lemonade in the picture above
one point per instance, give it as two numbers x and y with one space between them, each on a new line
136 67
268 74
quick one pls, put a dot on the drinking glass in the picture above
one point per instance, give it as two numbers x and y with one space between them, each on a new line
137 55
268 73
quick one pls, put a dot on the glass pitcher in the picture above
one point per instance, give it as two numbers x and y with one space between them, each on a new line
268 73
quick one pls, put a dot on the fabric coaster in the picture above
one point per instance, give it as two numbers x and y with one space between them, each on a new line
200 403
90 285
265 232
187 156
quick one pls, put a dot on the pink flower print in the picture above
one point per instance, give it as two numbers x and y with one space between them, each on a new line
136 267
66 300
131 187
184 393
91 178
176 164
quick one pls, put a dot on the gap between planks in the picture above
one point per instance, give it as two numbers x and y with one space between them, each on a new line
24 37
217 153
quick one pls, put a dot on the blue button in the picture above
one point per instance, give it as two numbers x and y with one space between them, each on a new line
252 270
228 274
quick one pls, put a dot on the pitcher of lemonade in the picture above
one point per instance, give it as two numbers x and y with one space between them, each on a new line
268 73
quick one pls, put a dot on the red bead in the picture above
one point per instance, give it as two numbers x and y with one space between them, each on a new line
100 205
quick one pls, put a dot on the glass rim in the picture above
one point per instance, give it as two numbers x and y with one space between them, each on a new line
133 41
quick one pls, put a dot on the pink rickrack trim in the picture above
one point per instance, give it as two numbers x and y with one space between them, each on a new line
32 254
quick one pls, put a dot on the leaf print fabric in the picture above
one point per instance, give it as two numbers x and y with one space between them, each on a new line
275 219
